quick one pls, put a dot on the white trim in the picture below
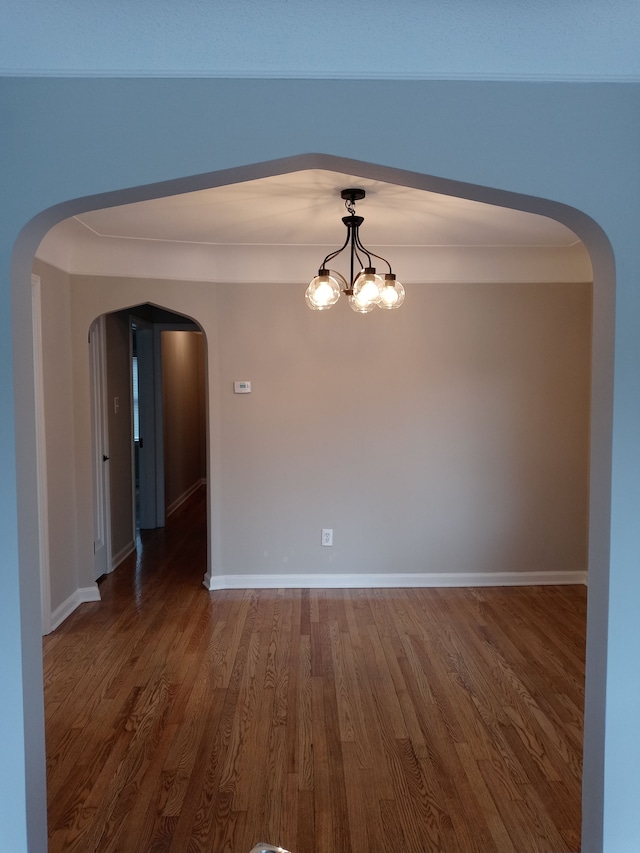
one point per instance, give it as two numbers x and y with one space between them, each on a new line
164 260
162 275
80 596
389 581
41 458
122 554
186 495
100 445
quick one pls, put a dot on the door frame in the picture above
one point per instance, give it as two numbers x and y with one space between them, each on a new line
100 447
150 399
41 457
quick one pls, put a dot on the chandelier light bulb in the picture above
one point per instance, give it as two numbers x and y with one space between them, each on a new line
367 286
323 291
360 304
323 294
392 293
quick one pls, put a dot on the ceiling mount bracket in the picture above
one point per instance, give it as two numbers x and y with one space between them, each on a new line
353 194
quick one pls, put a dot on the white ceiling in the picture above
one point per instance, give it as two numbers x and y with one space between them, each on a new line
305 209
278 229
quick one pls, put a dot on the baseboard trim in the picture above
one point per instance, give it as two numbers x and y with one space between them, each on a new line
185 496
389 581
122 555
80 596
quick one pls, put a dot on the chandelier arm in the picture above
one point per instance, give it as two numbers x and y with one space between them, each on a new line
380 258
360 261
371 254
353 233
335 254
363 248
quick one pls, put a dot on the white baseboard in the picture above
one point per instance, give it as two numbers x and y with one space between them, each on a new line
122 554
184 496
389 581
80 596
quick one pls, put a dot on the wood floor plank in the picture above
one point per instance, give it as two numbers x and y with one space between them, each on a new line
306 835
356 793
304 764
326 721
493 816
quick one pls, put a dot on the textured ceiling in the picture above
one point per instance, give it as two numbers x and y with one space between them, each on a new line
305 208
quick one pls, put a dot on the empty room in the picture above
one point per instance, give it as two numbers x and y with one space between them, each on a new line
417 678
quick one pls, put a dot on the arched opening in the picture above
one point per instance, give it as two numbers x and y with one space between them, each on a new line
602 300
156 418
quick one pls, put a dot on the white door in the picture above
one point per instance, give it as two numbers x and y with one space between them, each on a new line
100 451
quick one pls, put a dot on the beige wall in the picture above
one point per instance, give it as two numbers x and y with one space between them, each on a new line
448 437
61 460
184 415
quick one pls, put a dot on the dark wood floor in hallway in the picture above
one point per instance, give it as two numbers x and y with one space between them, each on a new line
326 721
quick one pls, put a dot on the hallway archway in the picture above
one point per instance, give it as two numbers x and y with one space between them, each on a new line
598 247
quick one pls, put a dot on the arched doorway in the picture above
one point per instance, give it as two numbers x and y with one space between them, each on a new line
155 418
492 196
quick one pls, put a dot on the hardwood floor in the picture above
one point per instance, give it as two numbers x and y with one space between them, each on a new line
326 721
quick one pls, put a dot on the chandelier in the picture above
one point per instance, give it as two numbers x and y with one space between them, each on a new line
366 289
